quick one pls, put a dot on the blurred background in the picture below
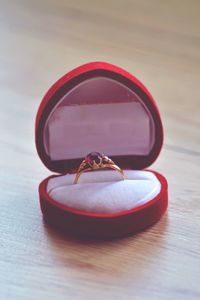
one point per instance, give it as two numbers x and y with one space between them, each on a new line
159 42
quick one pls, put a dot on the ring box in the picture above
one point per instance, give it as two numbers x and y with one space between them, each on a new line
100 107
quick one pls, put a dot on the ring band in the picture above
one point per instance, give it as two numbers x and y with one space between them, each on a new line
94 161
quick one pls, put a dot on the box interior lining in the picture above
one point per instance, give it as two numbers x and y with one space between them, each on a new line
104 191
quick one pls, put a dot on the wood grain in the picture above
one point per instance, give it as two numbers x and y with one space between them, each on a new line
159 42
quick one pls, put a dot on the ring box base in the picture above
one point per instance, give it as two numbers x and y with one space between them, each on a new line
102 226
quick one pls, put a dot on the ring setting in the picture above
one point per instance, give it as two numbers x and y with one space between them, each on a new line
95 161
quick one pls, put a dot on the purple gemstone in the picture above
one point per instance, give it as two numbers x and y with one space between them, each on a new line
94 157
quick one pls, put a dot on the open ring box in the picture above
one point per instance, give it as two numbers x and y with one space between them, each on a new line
100 107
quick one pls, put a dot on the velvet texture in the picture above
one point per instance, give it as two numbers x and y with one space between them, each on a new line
104 191
88 224
73 221
71 80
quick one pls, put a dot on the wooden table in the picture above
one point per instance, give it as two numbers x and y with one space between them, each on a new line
159 42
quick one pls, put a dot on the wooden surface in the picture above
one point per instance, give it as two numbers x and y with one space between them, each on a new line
159 42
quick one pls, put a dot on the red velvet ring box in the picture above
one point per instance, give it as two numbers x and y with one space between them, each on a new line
100 107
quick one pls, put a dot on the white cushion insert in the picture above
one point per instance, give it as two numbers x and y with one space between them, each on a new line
104 191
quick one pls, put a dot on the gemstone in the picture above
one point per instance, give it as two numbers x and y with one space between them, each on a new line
94 158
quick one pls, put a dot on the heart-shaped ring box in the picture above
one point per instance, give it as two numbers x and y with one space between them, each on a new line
100 107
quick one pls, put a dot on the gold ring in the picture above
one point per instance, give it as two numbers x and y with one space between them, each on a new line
95 161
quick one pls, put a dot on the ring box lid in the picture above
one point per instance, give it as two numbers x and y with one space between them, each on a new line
98 107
